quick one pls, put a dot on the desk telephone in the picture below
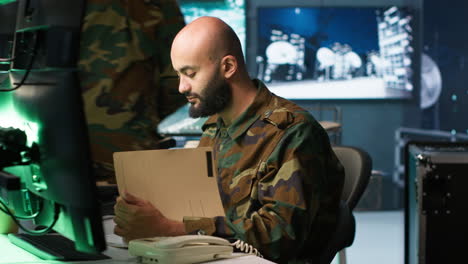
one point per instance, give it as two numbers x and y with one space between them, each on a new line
180 249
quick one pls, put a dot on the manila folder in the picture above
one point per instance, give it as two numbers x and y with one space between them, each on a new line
179 182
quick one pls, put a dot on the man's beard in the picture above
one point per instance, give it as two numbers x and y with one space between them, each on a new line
212 100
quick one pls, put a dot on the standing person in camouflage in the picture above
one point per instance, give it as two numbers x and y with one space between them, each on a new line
279 180
126 75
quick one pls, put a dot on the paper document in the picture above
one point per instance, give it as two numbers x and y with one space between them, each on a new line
179 182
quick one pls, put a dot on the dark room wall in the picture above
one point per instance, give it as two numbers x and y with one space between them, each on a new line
446 42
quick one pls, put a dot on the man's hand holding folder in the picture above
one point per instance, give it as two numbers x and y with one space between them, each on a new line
137 218
158 188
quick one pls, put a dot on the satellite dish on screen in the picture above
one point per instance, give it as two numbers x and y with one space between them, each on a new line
281 52
431 82
375 59
326 57
353 59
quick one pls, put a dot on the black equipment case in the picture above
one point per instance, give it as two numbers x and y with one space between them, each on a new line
436 198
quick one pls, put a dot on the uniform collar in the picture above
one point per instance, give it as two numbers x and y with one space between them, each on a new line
240 125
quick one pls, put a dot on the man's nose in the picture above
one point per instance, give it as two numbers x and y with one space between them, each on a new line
184 86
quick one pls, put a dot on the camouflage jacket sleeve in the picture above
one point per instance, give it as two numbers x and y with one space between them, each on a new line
290 203
128 84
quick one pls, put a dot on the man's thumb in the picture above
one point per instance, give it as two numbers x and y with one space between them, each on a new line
131 199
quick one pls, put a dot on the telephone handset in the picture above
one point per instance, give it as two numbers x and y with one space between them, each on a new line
180 249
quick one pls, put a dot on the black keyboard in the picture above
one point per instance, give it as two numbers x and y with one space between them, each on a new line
52 247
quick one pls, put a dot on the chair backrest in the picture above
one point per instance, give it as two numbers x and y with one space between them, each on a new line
358 168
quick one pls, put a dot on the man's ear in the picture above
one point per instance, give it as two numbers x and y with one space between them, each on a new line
229 66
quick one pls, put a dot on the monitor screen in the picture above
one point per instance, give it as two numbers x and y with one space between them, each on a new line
318 52
43 100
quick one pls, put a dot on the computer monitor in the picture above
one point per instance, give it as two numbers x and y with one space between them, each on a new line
45 102
315 50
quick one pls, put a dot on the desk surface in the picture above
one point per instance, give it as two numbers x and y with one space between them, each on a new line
11 254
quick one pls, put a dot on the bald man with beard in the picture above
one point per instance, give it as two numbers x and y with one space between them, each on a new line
278 178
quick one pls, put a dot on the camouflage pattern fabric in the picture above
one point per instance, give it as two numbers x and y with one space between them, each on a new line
128 84
279 180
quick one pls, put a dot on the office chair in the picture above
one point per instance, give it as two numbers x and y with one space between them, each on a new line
358 166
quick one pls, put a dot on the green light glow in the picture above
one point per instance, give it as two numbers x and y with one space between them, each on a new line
4 2
9 117
89 230
64 224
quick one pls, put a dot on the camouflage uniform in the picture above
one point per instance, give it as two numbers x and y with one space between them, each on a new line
128 83
279 180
